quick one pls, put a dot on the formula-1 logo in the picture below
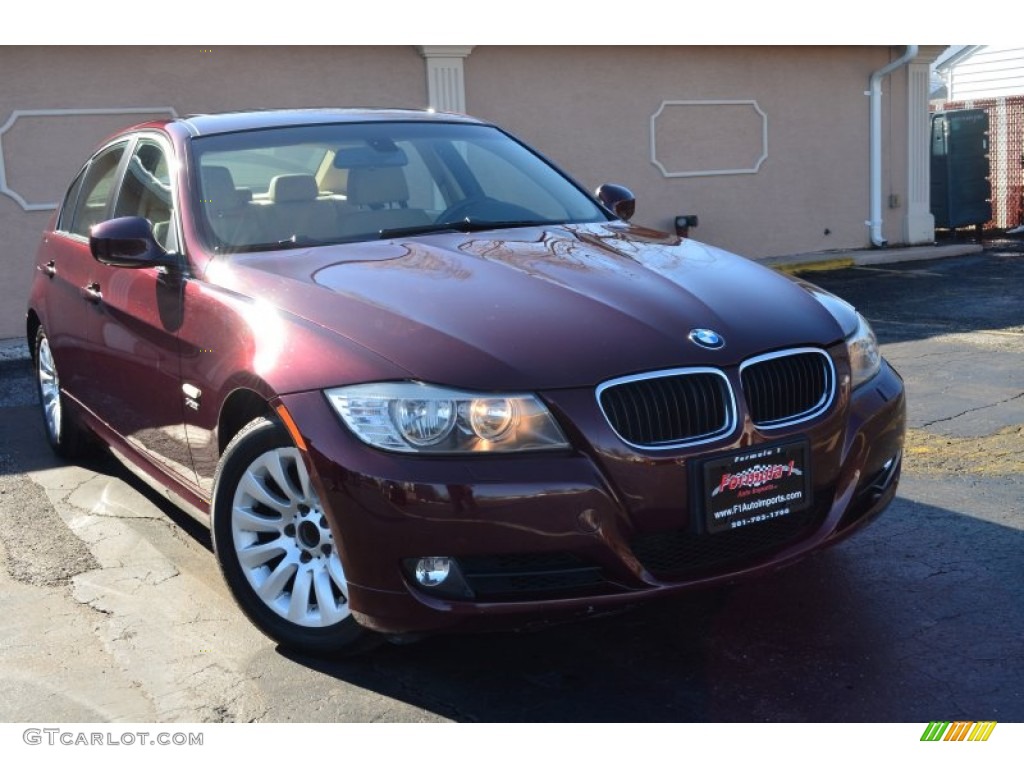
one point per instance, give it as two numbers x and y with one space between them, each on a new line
756 476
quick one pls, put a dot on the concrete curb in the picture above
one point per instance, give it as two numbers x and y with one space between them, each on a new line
16 349
828 260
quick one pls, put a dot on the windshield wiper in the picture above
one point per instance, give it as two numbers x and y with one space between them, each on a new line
466 225
295 241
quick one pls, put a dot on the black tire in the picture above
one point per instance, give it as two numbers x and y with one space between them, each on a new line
65 436
291 584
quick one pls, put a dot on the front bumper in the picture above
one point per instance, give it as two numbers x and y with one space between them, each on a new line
550 536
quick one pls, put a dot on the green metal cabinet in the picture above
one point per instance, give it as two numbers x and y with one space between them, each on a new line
960 189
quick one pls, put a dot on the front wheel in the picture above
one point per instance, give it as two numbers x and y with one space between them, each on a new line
275 547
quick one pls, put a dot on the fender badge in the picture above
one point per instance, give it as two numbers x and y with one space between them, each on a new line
192 394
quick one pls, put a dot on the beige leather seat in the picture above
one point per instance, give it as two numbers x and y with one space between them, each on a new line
378 199
297 210
234 221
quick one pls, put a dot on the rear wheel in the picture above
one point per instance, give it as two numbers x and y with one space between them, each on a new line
275 547
62 432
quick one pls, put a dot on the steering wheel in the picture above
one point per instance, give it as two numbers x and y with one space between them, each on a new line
485 208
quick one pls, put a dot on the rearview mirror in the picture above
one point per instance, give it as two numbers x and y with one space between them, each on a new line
128 242
617 199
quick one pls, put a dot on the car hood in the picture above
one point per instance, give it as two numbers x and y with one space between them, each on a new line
537 308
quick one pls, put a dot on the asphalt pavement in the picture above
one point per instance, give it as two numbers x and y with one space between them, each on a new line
115 610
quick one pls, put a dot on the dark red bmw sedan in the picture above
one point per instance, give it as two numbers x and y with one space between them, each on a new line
416 379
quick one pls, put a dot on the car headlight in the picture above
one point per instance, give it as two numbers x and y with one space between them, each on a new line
865 358
861 344
411 417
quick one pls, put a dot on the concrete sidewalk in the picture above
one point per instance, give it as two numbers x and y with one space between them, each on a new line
17 349
827 260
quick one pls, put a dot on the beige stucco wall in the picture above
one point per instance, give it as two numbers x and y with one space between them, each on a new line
588 109
42 154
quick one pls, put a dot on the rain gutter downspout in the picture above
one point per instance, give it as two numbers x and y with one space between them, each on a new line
875 143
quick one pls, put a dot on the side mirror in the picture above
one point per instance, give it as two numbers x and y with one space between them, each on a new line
617 199
128 242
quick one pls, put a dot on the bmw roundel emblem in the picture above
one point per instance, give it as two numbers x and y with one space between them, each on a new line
704 337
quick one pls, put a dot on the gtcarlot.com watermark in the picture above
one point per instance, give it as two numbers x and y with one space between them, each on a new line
59 737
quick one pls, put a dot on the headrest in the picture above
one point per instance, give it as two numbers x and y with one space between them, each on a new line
219 187
293 188
373 186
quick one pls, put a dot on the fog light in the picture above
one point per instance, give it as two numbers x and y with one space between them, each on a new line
432 571
441 577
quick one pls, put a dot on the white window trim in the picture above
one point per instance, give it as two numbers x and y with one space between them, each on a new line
713 172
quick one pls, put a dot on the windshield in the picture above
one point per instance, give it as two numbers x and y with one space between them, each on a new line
300 186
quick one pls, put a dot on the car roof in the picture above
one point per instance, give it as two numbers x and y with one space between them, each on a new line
229 122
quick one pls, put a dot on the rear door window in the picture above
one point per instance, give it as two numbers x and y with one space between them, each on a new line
94 194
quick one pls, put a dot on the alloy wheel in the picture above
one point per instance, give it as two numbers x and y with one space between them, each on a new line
284 544
49 389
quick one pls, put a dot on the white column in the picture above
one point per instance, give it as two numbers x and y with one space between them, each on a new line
446 84
918 222
999 162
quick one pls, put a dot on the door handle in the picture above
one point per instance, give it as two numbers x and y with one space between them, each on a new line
50 268
92 293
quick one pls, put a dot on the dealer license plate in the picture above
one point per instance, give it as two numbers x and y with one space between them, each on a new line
756 485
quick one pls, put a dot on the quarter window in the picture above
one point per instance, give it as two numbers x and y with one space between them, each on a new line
67 210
